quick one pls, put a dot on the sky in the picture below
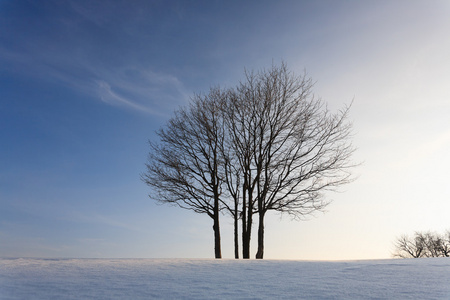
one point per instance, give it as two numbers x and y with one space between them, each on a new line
84 85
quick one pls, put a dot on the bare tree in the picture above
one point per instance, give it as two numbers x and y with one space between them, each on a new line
266 145
407 247
289 147
426 244
186 168
433 244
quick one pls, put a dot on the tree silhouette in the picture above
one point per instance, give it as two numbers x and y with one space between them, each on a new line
267 144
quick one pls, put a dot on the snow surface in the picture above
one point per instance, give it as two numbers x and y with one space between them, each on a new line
223 279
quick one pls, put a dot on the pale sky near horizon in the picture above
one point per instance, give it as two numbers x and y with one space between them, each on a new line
84 85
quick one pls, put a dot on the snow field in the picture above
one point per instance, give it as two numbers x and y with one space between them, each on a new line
223 279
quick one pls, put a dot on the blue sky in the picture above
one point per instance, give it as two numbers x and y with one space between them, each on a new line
84 86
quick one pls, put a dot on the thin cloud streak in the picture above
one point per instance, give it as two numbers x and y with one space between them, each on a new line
125 86
112 98
134 87
147 92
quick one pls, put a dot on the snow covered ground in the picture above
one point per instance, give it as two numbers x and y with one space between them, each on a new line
223 279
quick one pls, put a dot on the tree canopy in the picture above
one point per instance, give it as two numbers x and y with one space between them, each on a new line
267 144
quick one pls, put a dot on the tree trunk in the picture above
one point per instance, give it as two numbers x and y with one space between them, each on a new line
236 233
248 231
247 236
260 253
245 243
245 239
216 228
246 253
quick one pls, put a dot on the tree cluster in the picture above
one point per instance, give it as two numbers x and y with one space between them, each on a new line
267 144
423 244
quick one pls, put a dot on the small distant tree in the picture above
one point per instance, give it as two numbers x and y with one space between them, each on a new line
407 247
433 244
426 244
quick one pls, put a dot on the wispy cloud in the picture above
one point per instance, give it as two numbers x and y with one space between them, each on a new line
128 87
97 69
107 95
140 89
